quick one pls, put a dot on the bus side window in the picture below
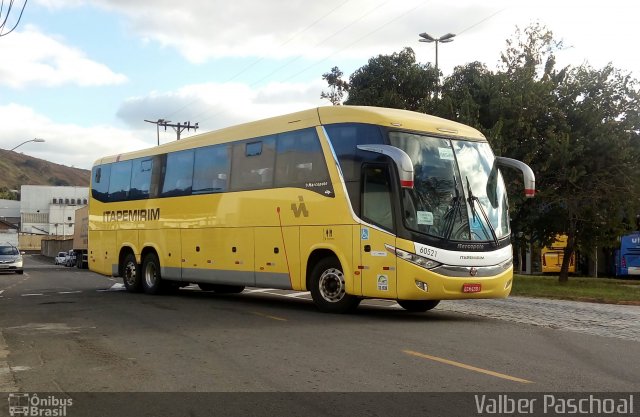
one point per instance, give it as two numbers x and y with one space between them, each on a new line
211 169
141 178
299 159
252 164
120 181
376 196
178 177
100 183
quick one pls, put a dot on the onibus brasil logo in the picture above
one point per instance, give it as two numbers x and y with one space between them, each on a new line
34 405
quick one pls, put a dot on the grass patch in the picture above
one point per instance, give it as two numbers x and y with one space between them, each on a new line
598 290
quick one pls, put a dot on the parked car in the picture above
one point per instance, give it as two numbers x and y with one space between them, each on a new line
61 258
11 259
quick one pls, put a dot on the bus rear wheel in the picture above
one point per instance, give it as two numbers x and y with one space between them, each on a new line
418 306
131 273
151 279
328 288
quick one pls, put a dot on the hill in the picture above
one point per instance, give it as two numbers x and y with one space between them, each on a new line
17 169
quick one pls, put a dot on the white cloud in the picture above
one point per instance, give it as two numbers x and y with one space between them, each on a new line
40 59
66 144
348 29
79 146
215 106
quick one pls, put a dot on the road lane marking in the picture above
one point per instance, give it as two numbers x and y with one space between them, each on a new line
31 295
467 367
297 294
114 287
69 292
268 316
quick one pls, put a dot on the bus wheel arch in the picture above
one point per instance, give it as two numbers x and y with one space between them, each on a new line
418 306
129 270
326 281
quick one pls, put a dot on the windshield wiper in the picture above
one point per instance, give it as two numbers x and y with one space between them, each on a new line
450 217
472 199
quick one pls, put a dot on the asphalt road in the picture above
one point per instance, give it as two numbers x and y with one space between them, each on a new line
69 330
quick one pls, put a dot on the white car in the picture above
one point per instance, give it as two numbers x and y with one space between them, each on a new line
61 258
10 259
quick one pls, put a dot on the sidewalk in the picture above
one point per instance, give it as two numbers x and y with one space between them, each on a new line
608 320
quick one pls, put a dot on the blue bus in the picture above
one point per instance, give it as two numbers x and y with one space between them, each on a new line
627 258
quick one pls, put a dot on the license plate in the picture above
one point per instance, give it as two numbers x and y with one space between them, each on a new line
467 288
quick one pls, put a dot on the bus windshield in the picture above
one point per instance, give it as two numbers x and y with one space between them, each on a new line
450 195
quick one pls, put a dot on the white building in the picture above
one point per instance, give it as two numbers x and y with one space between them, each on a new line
9 220
50 210
10 211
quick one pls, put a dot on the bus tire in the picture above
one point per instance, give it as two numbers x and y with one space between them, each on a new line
151 279
418 306
328 288
131 273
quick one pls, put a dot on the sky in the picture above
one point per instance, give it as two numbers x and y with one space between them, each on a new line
84 74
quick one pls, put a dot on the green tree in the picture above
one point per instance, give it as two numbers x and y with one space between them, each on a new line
395 80
7 194
337 86
578 129
596 180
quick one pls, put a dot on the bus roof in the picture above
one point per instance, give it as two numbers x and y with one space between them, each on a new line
403 119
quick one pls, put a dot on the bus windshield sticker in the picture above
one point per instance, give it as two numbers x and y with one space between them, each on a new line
425 217
446 153
383 283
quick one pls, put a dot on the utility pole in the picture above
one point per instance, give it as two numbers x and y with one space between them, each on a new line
178 127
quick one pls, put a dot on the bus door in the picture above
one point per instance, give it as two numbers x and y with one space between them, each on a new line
378 265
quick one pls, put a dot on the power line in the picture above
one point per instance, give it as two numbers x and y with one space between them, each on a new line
262 58
321 42
354 42
6 17
178 127
290 61
482 21
378 28
324 40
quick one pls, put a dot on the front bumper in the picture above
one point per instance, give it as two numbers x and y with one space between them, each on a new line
447 287
11 266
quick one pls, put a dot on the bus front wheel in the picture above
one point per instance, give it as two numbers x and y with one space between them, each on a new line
151 278
130 273
328 288
418 306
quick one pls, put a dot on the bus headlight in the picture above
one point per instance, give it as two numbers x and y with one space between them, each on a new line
422 285
413 258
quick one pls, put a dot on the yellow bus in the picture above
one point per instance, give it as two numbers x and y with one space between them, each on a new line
345 202
553 256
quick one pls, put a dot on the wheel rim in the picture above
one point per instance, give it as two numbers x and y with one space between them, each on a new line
150 275
331 285
130 274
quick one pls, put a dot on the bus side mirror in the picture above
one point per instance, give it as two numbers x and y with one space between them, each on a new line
401 159
528 175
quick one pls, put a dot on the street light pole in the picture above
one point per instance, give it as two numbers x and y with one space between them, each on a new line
425 37
27 141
